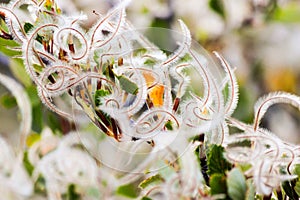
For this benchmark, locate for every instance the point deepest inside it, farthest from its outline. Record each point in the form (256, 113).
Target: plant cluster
(167, 115)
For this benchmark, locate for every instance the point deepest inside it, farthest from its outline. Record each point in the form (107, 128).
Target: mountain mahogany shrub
(139, 94)
(128, 87)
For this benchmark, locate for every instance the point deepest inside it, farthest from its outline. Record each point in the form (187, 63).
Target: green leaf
(18, 69)
(236, 184)
(37, 68)
(54, 121)
(297, 172)
(8, 101)
(48, 5)
(28, 166)
(289, 190)
(108, 71)
(250, 194)
(218, 7)
(27, 27)
(32, 138)
(217, 184)
(215, 160)
(244, 111)
(169, 126)
(297, 188)
(37, 108)
(245, 167)
(7, 50)
(242, 143)
(99, 94)
(146, 198)
(40, 185)
(129, 191)
(128, 85)
(71, 194)
(3, 25)
(33, 95)
(39, 38)
(8, 43)
(162, 39)
(151, 180)
(149, 62)
(186, 58)
(37, 118)
(288, 14)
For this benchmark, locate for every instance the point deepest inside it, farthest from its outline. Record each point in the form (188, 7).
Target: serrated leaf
(236, 183)
(128, 85)
(218, 7)
(216, 162)
(129, 191)
(217, 184)
(151, 180)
